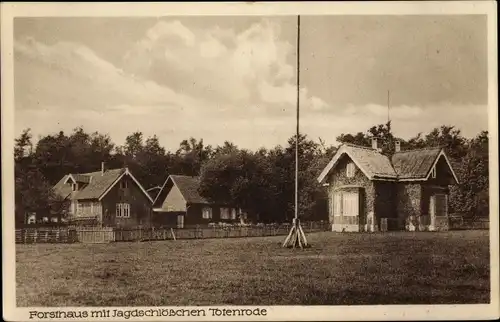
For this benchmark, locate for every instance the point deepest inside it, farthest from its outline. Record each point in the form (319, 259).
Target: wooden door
(180, 221)
(438, 207)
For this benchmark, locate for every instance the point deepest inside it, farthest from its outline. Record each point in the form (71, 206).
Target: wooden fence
(467, 223)
(109, 234)
(45, 235)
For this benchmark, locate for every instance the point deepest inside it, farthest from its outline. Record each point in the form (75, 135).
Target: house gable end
(174, 200)
(126, 173)
(165, 191)
(331, 166)
(340, 177)
(439, 160)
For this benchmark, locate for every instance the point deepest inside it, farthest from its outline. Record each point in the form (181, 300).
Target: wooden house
(179, 204)
(368, 190)
(112, 198)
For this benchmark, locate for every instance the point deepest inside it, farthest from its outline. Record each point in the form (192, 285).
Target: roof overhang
(340, 152)
(442, 154)
(163, 187)
(70, 176)
(126, 173)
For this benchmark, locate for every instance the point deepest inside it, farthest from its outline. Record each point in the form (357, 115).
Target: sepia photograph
(223, 164)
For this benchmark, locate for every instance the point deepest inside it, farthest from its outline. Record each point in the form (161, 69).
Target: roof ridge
(183, 175)
(99, 171)
(421, 149)
(359, 146)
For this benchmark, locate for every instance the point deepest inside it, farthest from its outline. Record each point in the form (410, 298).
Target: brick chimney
(374, 143)
(397, 146)
(103, 168)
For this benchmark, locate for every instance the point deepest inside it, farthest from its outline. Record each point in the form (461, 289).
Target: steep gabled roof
(405, 165)
(188, 187)
(417, 164)
(414, 164)
(372, 163)
(62, 189)
(98, 185)
(76, 177)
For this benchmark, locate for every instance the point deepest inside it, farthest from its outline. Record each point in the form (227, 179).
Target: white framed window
(123, 210)
(225, 213)
(73, 187)
(32, 219)
(206, 213)
(84, 208)
(433, 172)
(97, 208)
(53, 219)
(180, 221)
(350, 204)
(124, 184)
(233, 213)
(350, 170)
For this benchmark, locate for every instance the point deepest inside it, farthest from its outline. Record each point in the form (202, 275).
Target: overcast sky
(233, 78)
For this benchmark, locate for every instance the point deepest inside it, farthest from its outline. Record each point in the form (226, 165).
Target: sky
(234, 77)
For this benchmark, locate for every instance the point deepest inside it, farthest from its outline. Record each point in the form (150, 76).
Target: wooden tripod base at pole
(296, 237)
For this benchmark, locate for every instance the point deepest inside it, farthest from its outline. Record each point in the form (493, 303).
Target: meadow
(339, 269)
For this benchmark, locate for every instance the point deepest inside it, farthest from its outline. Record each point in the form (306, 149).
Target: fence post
(35, 235)
(25, 235)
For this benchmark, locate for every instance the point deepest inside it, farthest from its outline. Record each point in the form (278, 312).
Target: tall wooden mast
(296, 237)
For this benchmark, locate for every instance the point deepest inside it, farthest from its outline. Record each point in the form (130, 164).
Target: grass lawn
(339, 269)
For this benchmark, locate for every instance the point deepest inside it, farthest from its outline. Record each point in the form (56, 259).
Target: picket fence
(109, 234)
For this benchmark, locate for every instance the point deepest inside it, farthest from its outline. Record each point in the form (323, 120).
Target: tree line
(261, 181)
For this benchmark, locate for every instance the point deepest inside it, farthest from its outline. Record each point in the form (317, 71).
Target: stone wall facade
(409, 204)
(339, 181)
(385, 203)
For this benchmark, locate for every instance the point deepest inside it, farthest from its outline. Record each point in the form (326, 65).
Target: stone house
(370, 191)
(112, 198)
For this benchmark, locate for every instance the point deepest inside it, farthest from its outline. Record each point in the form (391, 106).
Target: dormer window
(433, 173)
(350, 170)
(123, 184)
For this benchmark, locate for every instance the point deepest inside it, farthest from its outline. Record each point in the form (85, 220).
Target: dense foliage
(262, 181)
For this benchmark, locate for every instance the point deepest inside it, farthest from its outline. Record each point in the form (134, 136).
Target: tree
(191, 155)
(237, 178)
(33, 193)
(471, 195)
(383, 132)
(23, 145)
(446, 136)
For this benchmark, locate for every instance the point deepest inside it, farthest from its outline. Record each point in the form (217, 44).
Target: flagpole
(297, 122)
(297, 237)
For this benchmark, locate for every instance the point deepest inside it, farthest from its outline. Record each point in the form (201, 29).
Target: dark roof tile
(98, 183)
(189, 188)
(414, 164)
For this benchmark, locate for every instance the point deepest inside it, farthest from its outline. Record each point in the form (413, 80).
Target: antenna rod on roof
(388, 105)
